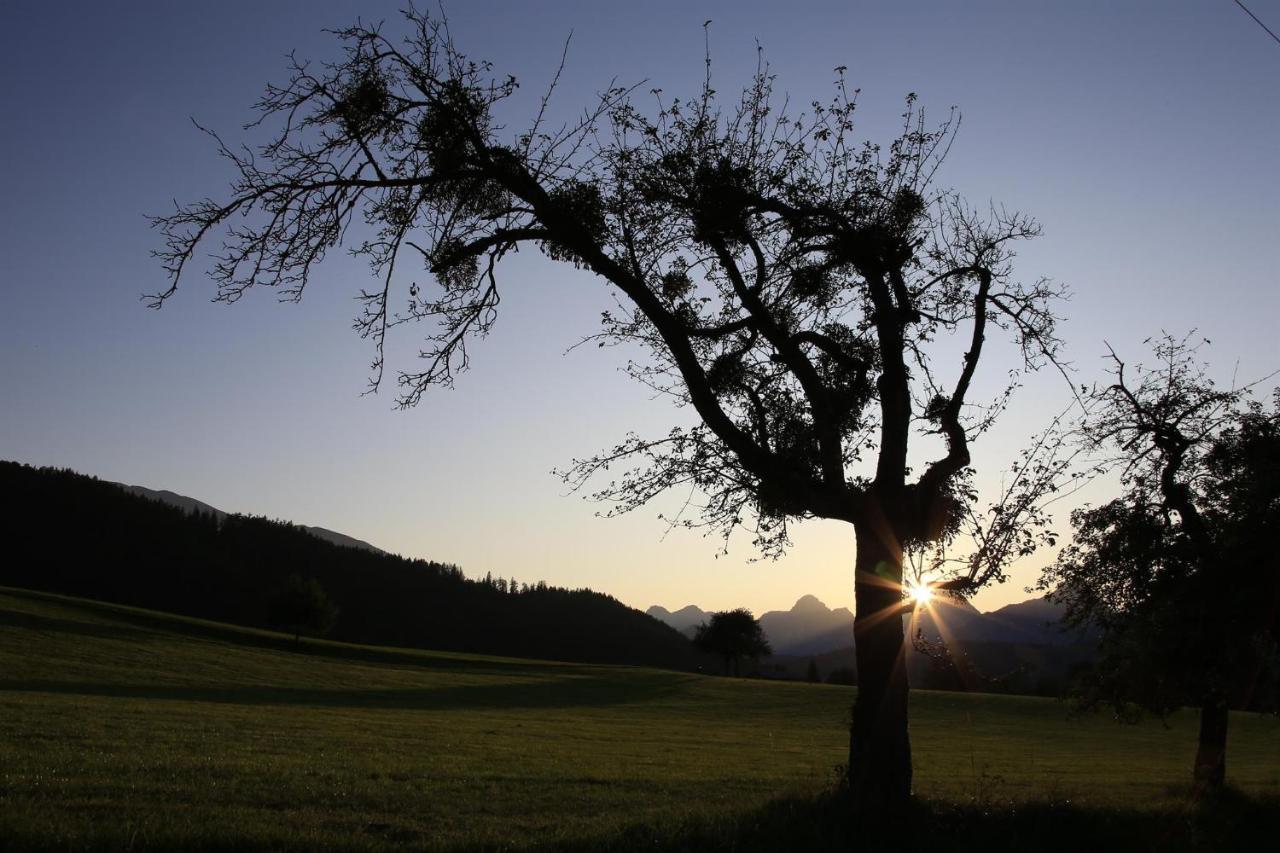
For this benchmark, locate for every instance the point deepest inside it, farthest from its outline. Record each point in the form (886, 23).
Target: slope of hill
(192, 505)
(77, 535)
(122, 729)
(1040, 620)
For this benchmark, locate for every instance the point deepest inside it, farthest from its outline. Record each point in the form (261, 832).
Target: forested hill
(68, 533)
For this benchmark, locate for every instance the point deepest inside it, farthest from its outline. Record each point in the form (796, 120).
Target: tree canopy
(818, 300)
(1180, 571)
(784, 279)
(733, 635)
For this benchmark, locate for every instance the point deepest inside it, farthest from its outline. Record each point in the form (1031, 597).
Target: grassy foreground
(124, 729)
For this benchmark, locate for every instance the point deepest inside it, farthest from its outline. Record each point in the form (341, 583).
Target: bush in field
(302, 606)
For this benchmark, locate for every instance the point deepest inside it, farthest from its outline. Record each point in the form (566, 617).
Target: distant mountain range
(683, 620)
(1020, 648)
(812, 628)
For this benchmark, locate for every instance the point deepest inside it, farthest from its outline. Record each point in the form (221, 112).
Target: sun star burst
(921, 594)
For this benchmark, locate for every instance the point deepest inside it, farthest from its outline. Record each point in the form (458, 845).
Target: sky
(1142, 136)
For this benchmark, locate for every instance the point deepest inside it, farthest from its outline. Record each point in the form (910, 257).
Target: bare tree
(783, 279)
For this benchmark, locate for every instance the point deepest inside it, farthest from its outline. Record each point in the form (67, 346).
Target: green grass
(125, 729)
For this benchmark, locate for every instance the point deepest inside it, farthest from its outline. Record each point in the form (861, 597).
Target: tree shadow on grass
(560, 692)
(1230, 821)
(124, 621)
(818, 824)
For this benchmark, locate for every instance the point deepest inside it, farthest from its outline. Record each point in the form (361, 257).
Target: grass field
(124, 729)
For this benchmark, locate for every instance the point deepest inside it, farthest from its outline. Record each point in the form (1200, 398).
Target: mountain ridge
(810, 627)
(191, 504)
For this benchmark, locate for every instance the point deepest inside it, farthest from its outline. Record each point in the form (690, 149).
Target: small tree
(302, 606)
(817, 301)
(812, 675)
(733, 635)
(1180, 572)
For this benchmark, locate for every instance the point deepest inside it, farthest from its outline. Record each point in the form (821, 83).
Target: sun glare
(919, 593)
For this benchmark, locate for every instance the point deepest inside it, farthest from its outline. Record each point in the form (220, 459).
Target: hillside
(77, 535)
(127, 729)
(191, 505)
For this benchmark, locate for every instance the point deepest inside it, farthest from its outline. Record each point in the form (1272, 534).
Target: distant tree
(733, 635)
(813, 675)
(302, 607)
(815, 300)
(1181, 571)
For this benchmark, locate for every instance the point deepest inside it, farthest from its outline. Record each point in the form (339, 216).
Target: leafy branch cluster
(790, 284)
(1178, 572)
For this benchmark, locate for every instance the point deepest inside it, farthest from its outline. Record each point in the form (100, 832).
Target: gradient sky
(1144, 136)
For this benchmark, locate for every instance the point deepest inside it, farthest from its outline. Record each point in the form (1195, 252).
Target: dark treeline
(68, 533)
(1025, 669)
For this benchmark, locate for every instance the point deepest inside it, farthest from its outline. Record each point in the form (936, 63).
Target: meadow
(128, 729)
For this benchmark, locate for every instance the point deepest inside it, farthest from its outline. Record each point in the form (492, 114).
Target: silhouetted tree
(733, 635)
(812, 674)
(302, 606)
(1180, 572)
(784, 281)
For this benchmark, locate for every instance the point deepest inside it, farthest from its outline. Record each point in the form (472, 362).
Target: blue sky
(1143, 136)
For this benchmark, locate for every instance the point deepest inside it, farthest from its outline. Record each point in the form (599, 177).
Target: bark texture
(879, 745)
(1211, 753)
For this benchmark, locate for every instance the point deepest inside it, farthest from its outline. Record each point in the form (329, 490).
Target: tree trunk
(879, 748)
(1211, 754)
